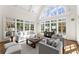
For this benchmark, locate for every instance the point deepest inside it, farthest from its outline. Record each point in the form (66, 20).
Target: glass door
(26, 25)
(32, 27)
(47, 26)
(19, 25)
(53, 26)
(42, 27)
(62, 27)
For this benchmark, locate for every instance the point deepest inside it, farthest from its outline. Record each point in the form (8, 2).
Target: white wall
(77, 24)
(71, 25)
(1, 28)
(15, 12)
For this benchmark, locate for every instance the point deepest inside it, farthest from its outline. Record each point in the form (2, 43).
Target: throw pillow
(49, 41)
(55, 43)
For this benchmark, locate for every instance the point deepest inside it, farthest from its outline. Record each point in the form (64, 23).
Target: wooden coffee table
(33, 41)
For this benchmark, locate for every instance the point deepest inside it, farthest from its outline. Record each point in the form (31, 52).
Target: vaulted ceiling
(33, 10)
(27, 11)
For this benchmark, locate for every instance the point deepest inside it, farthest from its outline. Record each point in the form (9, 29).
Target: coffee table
(33, 41)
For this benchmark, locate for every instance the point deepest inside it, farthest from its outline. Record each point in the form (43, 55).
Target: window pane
(42, 27)
(26, 26)
(19, 26)
(32, 26)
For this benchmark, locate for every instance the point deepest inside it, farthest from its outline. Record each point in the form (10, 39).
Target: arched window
(50, 11)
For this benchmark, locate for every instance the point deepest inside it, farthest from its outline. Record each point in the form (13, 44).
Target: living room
(29, 29)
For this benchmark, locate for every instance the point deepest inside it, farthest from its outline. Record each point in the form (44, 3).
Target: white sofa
(12, 48)
(23, 35)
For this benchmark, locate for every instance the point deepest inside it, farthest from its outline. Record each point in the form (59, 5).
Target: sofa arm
(46, 49)
(16, 49)
(7, 45)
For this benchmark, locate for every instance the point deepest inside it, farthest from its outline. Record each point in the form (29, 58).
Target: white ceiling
(27, 10)
(24, 7)
(33, 9)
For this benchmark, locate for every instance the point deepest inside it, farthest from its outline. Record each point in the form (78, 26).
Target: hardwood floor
(2, 42)
(2, 49)
(71, 47)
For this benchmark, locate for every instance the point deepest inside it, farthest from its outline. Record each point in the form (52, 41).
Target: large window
(58, 26)
(50, 11)
(16, 25)
(29, 25)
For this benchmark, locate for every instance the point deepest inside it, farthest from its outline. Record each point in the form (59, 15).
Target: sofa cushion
(16, 49)
(7, 45)
(56, 42)
(49, 41)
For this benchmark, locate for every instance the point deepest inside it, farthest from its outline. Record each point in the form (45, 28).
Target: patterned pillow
(56, 42)
(50, 41)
